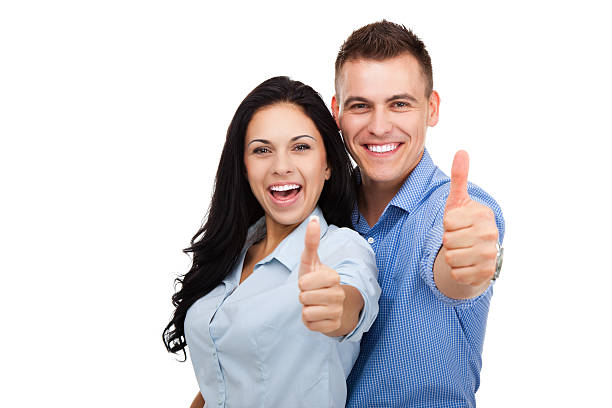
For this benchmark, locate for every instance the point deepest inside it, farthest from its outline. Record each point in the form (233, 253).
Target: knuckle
(336, 278)
(447, 222)
(490, 255)
(301, 284)
(449, 257)
(485, 272)
(490, 235)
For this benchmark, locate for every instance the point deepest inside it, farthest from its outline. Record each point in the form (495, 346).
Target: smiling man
(436, 238)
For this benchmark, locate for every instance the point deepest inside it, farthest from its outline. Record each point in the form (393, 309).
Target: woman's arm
(198, 401)
(329, 307)
(352, 305)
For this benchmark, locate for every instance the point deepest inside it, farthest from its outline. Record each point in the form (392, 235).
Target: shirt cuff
(433, 243)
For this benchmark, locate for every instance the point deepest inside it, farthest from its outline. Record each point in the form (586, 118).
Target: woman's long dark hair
(218, 244)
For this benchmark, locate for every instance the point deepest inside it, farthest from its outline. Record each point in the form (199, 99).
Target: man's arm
(465, 263)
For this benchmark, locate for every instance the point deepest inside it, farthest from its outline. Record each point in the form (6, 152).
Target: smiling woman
(268, 319)
(287, 169)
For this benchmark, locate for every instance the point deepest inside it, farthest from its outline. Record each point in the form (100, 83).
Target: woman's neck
(275, 233)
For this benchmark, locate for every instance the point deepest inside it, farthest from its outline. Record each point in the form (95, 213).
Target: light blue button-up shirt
(247, 342)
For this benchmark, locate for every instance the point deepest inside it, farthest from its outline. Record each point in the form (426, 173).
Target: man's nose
(379, 124)
(282, 164)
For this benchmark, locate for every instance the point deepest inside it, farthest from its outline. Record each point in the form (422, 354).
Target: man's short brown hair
(383, 40)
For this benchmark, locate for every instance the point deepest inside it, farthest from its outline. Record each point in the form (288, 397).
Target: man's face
(383, 112)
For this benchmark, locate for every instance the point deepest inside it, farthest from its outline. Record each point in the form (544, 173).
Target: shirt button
(371, 240)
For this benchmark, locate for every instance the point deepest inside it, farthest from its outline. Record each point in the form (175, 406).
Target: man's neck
(373, 197)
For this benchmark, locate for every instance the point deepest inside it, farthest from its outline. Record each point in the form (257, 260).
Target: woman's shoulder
(343, 237)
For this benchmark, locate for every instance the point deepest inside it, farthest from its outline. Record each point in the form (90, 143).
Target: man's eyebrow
(352, 99)
(407, 96)
(403, 96)
(293, 139)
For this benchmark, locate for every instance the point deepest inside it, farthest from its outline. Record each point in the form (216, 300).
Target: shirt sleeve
(354, 260)
(433, 243)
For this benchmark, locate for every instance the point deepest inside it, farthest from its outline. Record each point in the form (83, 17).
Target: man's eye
(400, 104)
(358, 106)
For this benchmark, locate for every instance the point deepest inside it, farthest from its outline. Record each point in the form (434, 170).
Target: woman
(263, 328)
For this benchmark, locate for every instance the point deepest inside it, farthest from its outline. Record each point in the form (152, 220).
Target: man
(435, 239)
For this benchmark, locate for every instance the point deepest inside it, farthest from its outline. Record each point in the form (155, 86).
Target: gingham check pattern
(424, 349)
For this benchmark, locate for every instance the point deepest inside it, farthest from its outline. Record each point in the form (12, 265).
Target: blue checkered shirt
(424, 349)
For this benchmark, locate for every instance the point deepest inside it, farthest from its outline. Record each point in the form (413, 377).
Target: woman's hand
(328, 306)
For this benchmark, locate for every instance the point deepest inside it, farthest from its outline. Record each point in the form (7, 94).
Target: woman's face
(285, 162)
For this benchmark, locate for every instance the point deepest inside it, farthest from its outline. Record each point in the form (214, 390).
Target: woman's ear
(327, 172)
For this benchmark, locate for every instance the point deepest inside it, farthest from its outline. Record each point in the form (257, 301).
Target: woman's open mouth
(284, 195)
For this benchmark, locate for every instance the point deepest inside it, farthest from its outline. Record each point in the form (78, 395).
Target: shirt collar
(409, 194)
(289, 251)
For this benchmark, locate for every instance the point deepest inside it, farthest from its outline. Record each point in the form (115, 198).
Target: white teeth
(382, 148)
(284, 187)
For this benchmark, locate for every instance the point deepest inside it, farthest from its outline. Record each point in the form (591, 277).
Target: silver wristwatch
(498, 261)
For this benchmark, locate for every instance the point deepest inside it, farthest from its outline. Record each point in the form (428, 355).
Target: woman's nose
(283, 164)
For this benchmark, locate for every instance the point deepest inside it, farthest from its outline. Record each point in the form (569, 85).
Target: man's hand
(466, 262)
(320, 290)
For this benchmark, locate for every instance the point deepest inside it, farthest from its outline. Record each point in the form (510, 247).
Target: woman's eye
(261, 150)
(302, 147)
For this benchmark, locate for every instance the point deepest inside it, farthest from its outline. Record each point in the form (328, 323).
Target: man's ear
(433, 109)
(336, 110)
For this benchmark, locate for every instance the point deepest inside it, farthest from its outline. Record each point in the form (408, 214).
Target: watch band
(498, 262)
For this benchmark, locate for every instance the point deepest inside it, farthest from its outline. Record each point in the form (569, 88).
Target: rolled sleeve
(433, 243)
(356, 265)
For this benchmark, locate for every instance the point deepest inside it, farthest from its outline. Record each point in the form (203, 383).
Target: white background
(112, 118)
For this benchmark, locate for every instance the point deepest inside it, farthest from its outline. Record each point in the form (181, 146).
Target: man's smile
(379, 149)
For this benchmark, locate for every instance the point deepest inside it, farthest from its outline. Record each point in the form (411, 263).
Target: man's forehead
(397, 75)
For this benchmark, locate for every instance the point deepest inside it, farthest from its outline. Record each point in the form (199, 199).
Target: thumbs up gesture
(470, 234)
(321, 294)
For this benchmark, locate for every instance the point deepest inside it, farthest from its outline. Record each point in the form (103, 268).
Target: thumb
(458, 195)
(310, 258)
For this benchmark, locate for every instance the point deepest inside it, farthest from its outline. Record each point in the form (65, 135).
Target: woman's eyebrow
(264, 141)
(293, 139)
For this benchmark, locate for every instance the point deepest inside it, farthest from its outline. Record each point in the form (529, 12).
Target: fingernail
(313, 217)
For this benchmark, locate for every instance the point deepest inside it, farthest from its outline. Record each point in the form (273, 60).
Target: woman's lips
(285, 195)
